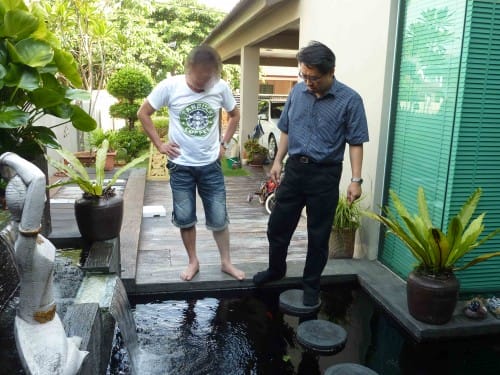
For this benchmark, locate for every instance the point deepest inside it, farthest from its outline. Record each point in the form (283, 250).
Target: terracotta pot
(257, 160)
(110, 161)
(99, 218)
(341, 243)
(432, 299)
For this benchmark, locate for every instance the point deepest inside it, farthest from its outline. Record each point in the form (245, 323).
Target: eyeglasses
(312, 79)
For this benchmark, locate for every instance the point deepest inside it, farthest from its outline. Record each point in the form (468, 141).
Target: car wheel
(272, 147)
(270, 202)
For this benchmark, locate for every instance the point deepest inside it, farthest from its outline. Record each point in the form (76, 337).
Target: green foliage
(130, 143)
(252, 147)
(435, 251)
(126, 111)
(129, 84)
(77, 174)
(230, 172)
(347, 215)
(36, 78)
(182, 25)
(135, 141)
(161, 125)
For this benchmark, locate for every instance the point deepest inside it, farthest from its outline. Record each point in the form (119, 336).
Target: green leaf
(63, 110)
(68, 67)
(3, 72)
(77, 94)
(126, 167)
(43, 98)
(469, 207)
(43, 136)
(19, 24)
(12, 117)
(22, 77)
(34, 53)
(82, 120)
(422, 207)
(100, 161)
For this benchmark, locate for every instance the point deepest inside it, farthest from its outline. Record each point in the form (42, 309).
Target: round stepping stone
(321, 336)
(291, 303)
(349, 369)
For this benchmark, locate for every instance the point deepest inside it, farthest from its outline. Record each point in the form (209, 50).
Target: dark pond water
(249, 335)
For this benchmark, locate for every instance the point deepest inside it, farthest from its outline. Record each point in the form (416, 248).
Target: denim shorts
(209, 181)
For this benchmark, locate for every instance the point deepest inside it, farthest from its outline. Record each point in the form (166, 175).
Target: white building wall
(362, 35)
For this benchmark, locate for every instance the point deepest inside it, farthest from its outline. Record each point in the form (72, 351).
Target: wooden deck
(152, 253)
(161, 254)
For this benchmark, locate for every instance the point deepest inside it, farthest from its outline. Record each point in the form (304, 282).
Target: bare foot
(190, 272)
(233, 271)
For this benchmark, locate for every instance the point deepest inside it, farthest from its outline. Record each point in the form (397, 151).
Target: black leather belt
(303, 159)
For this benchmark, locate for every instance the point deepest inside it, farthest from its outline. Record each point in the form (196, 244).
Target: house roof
(271, 25)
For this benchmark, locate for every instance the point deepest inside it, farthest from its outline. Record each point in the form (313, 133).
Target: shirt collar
(331, 91)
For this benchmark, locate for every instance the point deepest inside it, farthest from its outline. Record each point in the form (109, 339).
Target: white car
(268, 115)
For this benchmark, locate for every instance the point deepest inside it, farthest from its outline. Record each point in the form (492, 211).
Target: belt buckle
(304, 159)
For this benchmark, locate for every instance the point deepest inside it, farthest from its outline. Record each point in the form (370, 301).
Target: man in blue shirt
(320, 117)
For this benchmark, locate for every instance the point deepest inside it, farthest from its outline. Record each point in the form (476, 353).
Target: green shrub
(126, 111)
(128, 85)
(161, 125)
(134, 141)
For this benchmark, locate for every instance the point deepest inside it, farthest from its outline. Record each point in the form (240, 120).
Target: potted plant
(432, 288)
(99, 212)
(255, 152)
(346, 221)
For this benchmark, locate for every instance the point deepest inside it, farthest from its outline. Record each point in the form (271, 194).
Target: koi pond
(248, 334)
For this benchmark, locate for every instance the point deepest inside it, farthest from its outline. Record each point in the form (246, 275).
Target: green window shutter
(446, 123)
(422, 125)
(476, 148)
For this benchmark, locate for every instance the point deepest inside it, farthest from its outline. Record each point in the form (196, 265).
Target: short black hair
(204, 55)
(317, 55)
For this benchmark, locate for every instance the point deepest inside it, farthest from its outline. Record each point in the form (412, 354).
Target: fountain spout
(40, 337)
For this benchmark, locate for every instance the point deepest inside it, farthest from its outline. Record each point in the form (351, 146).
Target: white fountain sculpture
(41, 341)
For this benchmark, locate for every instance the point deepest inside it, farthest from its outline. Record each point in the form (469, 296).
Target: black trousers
(316, 187)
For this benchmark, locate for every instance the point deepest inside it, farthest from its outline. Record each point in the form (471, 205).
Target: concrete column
(249, 90)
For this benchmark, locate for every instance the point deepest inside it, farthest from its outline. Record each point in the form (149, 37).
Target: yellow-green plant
(436, 251)
(78, 174)
(347, 215)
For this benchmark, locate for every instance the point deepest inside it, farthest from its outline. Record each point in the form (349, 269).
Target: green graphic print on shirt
(197, 119)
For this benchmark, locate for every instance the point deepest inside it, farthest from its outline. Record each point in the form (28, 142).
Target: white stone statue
(41, 341)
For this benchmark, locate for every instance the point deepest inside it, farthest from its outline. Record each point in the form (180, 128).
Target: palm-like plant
(436, 251)
(78, 174)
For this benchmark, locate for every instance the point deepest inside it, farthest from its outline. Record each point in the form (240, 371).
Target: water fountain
(41, 340)
(90, 304)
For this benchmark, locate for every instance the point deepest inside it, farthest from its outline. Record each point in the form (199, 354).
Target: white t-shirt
(193, 117)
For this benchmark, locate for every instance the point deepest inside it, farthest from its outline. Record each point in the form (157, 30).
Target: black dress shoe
(266, 276)
(311, 299)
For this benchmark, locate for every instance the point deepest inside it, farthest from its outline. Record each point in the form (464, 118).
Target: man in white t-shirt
(195, 148)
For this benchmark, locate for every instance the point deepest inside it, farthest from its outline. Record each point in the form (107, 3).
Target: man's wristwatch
(359, 180)
(225, 145)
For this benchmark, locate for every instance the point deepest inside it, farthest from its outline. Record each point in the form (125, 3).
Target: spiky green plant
(77, 173)
(435, 251)
(347, 215)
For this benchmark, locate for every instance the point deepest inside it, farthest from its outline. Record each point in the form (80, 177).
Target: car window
(263, 107)
(276, 109)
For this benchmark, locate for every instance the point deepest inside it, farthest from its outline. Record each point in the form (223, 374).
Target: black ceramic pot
(432, 299)
(99, 218)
